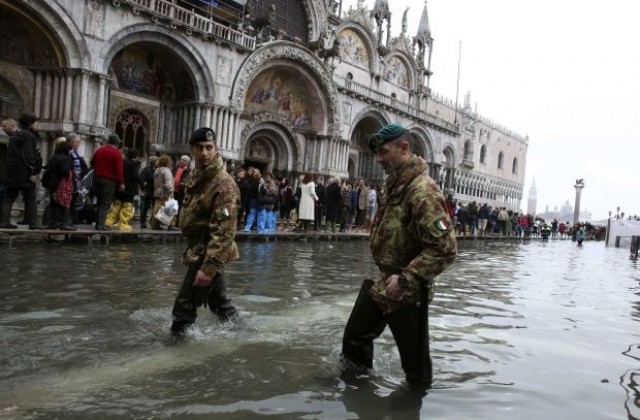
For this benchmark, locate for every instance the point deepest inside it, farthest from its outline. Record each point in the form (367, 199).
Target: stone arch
(423, 142)
(366, 123)
(371, 112)
(317, 18)
(280, 135)
(449, 155)
(366, 37)
(198, 68)
(14, 98)
(292, 55)
(394, 64)
(483, 153)
(70, 48)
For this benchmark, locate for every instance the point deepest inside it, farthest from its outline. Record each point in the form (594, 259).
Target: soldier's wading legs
(365, 324)
(185, 307)
(413, 344)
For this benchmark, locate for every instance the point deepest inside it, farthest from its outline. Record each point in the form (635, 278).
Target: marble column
(68, 95)
(37, 102)
(100, 120)
(84, 90)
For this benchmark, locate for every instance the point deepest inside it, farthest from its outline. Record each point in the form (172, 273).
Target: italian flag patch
(441, 225)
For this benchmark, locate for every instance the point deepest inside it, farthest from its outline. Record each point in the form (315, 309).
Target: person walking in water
(412, 241)
(208, 220)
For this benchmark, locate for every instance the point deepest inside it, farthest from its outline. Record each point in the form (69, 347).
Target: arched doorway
(11, 103)
(366, 165)
(151, 98)
(132, 127)
(269, 149)
(259, 154)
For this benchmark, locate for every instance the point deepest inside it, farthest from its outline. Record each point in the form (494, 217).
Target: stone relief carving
(223, 71)
(94, 19)
(284, 50)
(346, 113)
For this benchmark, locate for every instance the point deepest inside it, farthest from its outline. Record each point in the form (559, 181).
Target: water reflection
(527, 328)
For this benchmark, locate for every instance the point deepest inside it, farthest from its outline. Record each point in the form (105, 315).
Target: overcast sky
(564, 72)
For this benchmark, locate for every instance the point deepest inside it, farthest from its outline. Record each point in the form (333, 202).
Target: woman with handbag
(60, 186)
(162, 190)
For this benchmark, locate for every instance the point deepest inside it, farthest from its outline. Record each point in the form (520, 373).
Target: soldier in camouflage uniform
(208, 220)
(412, 241)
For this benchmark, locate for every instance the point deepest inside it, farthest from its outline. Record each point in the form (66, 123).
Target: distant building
(565, 214)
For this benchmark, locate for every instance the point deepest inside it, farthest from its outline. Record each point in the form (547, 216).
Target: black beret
(202, 134)
(385, 135)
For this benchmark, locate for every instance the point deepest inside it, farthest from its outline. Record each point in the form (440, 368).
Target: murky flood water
(522, 331)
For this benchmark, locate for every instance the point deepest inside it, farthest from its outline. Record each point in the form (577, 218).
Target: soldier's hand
(201, 280)
(394, 291)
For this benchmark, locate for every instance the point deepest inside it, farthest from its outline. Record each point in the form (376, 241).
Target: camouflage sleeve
(434, 231)
(222, 228)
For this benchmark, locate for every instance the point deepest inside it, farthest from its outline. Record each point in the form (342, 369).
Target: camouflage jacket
(208, 217)
(412, 234)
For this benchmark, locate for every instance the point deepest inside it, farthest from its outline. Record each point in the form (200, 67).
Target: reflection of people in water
(362, 397)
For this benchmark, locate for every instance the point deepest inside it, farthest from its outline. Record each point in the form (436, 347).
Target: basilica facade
(290, 86)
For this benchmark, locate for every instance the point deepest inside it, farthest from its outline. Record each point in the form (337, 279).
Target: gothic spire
(423, 27)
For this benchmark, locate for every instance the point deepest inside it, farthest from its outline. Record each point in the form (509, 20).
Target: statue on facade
(404, 23)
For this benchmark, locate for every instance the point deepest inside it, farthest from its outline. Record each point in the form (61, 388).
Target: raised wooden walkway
(91, 236)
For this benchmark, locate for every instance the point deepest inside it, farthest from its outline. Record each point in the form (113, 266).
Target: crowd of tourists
(270, 204)
(484, 220)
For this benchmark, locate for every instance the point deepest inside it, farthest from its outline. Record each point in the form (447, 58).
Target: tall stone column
(84, 91)
(576, 209)
(101, 99)
(37, 103)
(68, 95)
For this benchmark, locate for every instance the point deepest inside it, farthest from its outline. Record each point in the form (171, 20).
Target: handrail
(392, 102)
(195, 21)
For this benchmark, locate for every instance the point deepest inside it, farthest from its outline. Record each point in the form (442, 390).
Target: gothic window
(500, 160)
(467, 150)
(483, 153)
(130, 127)
(514, 167)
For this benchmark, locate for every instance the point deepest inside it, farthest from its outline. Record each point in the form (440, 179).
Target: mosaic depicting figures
(352, 48)
(396, 72)
(149, 72)
(283, 92)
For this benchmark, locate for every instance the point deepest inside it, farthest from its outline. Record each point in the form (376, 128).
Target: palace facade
(289, 85)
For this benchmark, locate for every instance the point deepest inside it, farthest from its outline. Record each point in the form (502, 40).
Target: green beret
(385, 135)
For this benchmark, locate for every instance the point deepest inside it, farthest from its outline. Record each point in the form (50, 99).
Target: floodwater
(518, 330)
